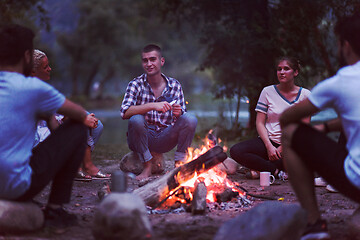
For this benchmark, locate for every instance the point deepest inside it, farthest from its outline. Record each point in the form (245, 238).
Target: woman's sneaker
(282, 176)
(331, 189)
(319, 182)
(316, 231)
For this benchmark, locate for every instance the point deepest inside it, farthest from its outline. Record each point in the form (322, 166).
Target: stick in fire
(154, 192)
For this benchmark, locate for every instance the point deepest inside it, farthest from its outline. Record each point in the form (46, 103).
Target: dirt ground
(180, 226)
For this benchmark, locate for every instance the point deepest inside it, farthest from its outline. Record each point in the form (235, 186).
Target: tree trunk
(74, 79)
(75, 72)
(237, 110)
(323, 51)
(88, 83)
(108, 76)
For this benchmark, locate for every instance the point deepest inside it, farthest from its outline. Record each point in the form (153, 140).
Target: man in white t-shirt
(308, 150)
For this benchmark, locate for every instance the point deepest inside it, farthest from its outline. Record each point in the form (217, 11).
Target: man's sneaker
(283, 176)
(320, 182)
(57, 219)
(331, 189)
(318, 231)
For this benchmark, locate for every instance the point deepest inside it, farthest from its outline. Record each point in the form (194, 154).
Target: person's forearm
(138, 109)
(73, 111)
(263, 134)
(296, 113)
(332, 125)
(52, 123)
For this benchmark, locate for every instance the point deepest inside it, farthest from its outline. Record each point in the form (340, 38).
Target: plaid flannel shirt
(139, 92)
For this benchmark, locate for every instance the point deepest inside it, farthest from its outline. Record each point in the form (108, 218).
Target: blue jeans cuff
(146, 156)
(180, 156)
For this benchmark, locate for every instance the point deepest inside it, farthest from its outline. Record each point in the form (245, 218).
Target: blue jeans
(94, 135)
(143, 138)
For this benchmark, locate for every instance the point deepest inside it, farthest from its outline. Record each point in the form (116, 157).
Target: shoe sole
(316, 236)
(83, 179)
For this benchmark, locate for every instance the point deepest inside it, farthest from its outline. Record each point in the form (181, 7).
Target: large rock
(20, 217)
(132, 163)
(229, 166)
(354, 225)
(267, 221)
(122, 216)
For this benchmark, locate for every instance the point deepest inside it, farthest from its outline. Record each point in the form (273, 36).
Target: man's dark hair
(14, 41)
(348, 29)
(152, 47)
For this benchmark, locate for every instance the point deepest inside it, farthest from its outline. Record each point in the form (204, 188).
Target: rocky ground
(180, 226)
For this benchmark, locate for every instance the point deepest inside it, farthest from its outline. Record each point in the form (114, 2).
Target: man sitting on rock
(155, 107)
(23, 101)
(308, 150)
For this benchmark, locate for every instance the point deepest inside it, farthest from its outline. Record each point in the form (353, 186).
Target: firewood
(226, 195)
(155, 192)
(198, 204)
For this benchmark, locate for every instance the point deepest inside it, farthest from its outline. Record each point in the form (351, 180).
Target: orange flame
(215, 179)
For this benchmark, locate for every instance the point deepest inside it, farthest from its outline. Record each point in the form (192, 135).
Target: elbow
(123, 114)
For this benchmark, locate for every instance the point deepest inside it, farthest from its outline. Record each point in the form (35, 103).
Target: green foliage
(24, 12)
(244, 38)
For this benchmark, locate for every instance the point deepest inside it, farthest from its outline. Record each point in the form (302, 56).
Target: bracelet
(326, 127)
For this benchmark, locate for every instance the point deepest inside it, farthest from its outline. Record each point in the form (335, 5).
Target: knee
(189, 120)
(137, 121)
(100, 127)
(77, 127)
(236, 151)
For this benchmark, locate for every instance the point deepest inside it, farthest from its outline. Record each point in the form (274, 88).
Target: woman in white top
(264, 153)
(89, 171)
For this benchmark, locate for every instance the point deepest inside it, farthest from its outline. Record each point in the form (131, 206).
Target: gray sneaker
(283, 176)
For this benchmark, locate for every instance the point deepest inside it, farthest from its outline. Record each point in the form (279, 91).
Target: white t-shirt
(273, 104)
(341, 93)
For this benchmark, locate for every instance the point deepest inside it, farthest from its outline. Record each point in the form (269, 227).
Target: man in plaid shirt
(155, 107)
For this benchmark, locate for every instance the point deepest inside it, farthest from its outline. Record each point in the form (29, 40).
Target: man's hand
(162, 106)
(91, 121)
(176, 110)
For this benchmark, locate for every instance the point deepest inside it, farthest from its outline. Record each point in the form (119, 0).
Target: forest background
(217, 49)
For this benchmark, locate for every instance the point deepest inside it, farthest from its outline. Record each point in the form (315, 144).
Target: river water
(115, 127)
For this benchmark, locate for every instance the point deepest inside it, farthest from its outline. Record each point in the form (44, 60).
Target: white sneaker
(283, 176)
(320, 182)
(331, 189)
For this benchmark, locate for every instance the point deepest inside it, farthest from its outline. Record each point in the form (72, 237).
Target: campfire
(195, 183)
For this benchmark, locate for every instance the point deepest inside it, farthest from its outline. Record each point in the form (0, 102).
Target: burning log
(226, 195)
(154, 193)
(198, 204)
